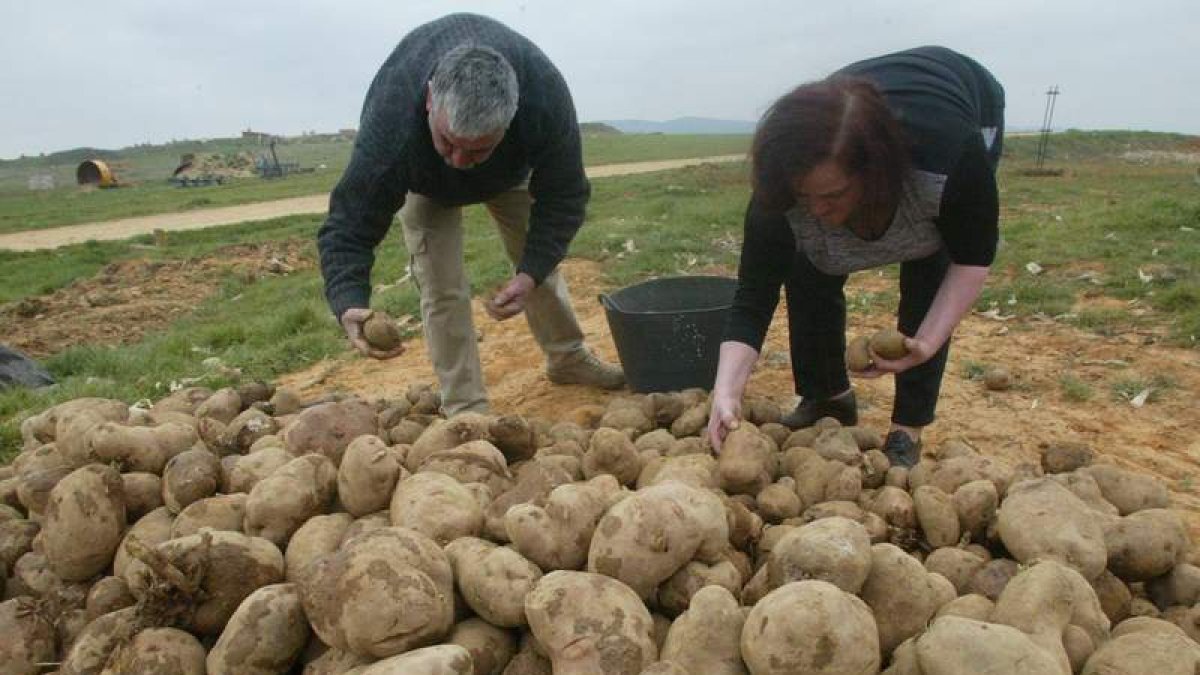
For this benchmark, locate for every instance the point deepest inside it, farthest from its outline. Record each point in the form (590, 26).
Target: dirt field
(197, 220)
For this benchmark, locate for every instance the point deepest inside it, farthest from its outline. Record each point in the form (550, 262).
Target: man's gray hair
(477, 88)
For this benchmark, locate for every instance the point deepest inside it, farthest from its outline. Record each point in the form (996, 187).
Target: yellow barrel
(95, 172)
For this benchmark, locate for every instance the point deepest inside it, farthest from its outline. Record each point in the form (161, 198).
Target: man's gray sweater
(394, 155)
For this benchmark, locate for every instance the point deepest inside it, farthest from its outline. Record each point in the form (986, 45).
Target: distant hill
(683, 125)
(597, 129)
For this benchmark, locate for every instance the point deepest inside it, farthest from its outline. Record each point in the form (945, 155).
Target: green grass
(1126, 388)
(146, 169)
(1074, 389)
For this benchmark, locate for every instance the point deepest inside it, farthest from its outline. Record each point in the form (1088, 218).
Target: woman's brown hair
(843, 119)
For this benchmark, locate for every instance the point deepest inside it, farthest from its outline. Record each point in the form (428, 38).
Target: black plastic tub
(668, 331)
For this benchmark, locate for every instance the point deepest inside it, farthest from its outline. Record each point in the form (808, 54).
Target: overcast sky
(118, 72)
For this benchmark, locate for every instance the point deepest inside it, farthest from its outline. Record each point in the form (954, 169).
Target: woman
(888, 160)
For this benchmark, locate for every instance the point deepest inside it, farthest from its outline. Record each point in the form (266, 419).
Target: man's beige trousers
(434, 236)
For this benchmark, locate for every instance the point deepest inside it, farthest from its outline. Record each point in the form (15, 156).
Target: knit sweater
(394, 155)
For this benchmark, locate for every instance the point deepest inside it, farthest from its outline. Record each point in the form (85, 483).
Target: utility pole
(1047, 118)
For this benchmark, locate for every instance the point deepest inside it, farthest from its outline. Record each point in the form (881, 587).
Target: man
(465, 111)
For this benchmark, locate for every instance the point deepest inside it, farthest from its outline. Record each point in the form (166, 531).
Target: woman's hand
(724, 417)
(919, 351)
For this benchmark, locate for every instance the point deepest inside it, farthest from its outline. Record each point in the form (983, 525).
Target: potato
(447, 434)
(528, 659)
(280, 503)
(897, 590)
(970, 606)
(895, 506)
(836, 550)
(998, 378)
(381, 331)
(1180, 586)
(334, 661)
(675, 594)
(649, 536)
(85, 519)
(74, 421)
(691, 421)
(26, 637)
(610, 451)
(748, 461)
(318, 536)
(491, 648)
(976, 503)
(190, 476)
(223, 405)
(1066, 457)
(1040, 519)
(222, 512)
(1043, 599)
(492, 579)
(1145, 651)
(760, 410)
(437, 506)
(328, 428)
(265, 635)
(1145, 544)
(158, 650)
(955, 645)
(436, 660)
(534, 481)
(248, 428)
(96, 643)
(1114, 595)
(705, 640)
(629, 420)
(383, 593)
(472, 462)
(1085, 487)
(1129, 491)
(558, 535)
(146, 449)
(955, 564)
(249, 469)
(889, 343)
(590, 623)
(235, 566)
(696, 470)
(108, 595)
(143, 494)
(858, 354)
(514, 436)
(778, 501)
(937, 516)
(810, 626)
(367, 475)
(992, 578)
(184, 400)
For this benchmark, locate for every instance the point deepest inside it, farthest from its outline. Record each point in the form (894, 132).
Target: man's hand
(352, 323)
(723, 418)
(510, 300)
(919, 351)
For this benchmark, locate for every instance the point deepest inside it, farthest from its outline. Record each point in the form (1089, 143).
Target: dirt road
(196, 220)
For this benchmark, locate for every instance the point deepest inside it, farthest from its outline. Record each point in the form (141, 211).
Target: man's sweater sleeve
(767, 251)
(560, 192)
(361, 209)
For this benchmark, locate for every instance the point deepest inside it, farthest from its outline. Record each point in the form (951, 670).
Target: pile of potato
(247, 531)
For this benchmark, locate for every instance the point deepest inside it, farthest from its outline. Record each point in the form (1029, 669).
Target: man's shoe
(901, 449)
(583, 367)
(844, 409)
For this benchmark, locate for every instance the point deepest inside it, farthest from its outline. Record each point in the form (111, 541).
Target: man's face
(458, 151)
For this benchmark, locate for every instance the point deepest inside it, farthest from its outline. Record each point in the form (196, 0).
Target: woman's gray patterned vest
(912, 234)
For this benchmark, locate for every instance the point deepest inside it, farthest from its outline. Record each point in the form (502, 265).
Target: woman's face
(829, 194)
